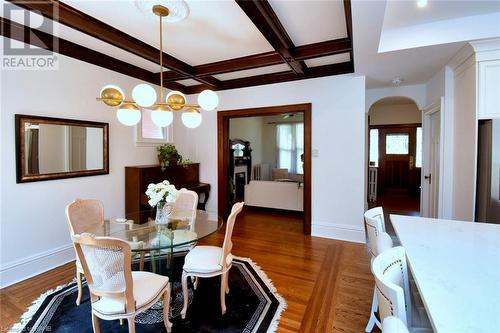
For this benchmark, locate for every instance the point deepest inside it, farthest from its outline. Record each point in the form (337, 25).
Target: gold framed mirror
(55, 148)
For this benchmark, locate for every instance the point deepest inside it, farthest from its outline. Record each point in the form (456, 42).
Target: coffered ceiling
(220, 45)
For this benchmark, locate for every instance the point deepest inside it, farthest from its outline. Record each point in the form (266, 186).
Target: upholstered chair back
(228, 244)
(391, 279)
(106, 264)
(185, 206)
(83, 214)
(374, 225)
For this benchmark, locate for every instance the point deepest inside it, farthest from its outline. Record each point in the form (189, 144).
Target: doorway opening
(264, 158)
(395, 155)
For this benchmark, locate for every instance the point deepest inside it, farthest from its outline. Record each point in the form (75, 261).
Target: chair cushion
(147, 287)
(203, 259)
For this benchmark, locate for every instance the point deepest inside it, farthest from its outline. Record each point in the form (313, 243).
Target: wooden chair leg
(141, 262)
(80, 288)
(223, 293)
(95, 324)
(131, 324)
(227, 282)
(166, 304)
(184, 294)
(122, 322)
(195, 282)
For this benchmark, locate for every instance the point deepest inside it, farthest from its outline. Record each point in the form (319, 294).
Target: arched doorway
(395, 155)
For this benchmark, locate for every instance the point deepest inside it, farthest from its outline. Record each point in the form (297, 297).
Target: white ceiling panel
(253, 72)
(213, 31)
(85, 40)
(311, 21)
(328, 60)
(188, 82)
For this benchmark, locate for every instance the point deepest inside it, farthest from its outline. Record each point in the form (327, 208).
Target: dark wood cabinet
(137, 179)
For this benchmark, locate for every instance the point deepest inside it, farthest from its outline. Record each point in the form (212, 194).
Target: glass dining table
(153, 245)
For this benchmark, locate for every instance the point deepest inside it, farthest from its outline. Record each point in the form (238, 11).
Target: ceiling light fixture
(397, 81)
(144, 96)
(421, 3)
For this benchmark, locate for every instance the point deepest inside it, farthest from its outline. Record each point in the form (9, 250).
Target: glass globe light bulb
(191, 119)
(162, 117)
(144, 95)
(208, 100)
(128, 114)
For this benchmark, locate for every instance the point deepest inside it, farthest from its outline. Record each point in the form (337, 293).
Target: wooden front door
(397, 171)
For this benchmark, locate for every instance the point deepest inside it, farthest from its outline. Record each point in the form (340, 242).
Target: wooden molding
(46, 41)
(265, 19)
(312, 72)
(223, 118)
(321, 49)
(259, 11)
(91, 26)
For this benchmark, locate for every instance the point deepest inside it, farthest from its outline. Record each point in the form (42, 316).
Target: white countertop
(456, 266)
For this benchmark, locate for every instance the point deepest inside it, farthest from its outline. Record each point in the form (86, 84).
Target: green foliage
(168, 155)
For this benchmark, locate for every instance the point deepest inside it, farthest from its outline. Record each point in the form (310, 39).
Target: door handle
(428, 177)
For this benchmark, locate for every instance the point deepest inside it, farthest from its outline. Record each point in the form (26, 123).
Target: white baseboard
(19, 270)
(338, 231)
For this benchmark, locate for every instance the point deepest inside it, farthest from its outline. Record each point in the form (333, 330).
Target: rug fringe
(35, 305)
(273, 326)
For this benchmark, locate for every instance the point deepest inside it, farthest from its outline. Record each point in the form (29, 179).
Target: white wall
(416, 92)
(394, 114)
(465, 140)
(34, 232)
(338, 126)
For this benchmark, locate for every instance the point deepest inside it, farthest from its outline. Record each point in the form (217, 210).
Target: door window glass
(396, 144)
(374, 147)
(418, 157)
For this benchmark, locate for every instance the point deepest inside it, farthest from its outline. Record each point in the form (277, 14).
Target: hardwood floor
(326, 283)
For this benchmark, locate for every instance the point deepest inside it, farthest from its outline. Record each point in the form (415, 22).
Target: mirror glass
(58, 150)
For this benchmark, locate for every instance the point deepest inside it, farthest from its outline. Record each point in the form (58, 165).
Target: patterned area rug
(253, 305)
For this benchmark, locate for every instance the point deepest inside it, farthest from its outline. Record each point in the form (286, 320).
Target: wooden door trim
(223, 118)
(395, 126)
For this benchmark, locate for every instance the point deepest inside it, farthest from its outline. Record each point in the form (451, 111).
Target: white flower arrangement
(161, 193)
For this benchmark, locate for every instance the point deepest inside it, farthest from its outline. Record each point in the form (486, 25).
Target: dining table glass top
(177, 232)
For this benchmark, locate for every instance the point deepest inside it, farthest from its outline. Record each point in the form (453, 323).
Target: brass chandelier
(144, 97)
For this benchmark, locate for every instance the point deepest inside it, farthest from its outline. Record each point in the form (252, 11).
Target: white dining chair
(185, 207)
(115, 291)
(393, 324)
(378, 241)
(209, 261)
(81, 215)
(393, 289)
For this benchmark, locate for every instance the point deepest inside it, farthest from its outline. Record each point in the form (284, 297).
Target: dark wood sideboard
(137, 179)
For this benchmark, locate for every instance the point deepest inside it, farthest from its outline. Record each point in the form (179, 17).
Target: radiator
(261, 172)
(256, 172)
(372, 184)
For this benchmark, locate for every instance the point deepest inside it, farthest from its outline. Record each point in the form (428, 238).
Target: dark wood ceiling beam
(27, 35)
(304, 52)
(348, 22)
(323, 49)
(91, 26)
(312, 72)
(265, 19)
